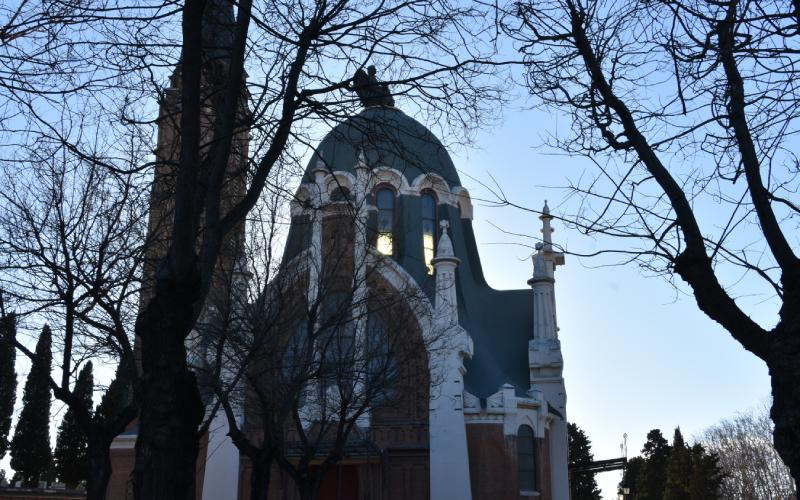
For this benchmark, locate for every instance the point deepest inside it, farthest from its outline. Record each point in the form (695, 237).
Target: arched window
(526, 458)
(384, 200)
(382, 374)
(428, 228)
(336, 338)
(340, 193)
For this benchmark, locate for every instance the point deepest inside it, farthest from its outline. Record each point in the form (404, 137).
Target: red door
(340, 483)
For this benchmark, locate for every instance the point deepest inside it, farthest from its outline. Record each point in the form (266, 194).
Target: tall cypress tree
(30, 448)
(70, 457)
(114, 400)
(679, 469)
(8, 377)
(582, 485)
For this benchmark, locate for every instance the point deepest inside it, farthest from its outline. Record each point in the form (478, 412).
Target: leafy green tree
(30, 447)
(8, 377)
(582, 485)
(71, 459)
(679, 469)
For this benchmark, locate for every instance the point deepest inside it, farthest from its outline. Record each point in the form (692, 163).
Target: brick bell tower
(218, 32)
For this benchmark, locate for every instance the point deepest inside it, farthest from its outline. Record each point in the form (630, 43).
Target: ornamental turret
(544, 354)
(449, 464)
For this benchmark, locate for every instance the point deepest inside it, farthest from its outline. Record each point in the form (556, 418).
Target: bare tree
(321, 349)
(98, 63)
(687, 109)
(752, 466)
(71, 240)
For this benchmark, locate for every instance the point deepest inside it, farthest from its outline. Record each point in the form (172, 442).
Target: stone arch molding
(463, 201)
(302, 198)
(435, 183)
(390, 176)
(457, 196)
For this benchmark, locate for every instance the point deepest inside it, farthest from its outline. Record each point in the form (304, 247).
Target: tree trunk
(306, 491)
(307, 486)
(171, 407)
(784, 370)
(99, 469)
(260, 478)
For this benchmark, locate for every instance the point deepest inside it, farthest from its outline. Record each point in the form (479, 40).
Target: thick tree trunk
(99, 469)
(307, 486)
(306, 491)
(171, 407)
(784, 370)
(260, 478)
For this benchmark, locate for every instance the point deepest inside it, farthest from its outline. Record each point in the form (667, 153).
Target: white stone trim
(340, 178)
(436, 183)
(390, 176)
(463, 201)
(303, 196)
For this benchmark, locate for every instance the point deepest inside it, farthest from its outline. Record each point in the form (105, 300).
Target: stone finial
(547, 230)
(445, 248)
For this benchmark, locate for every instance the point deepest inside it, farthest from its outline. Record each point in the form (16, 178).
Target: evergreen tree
(633, 469)
(114, 399)
(30, 447)
(653, 476)
(679, 469)
(8, 377)
(70, 456)
(582, 485)
(706, 476)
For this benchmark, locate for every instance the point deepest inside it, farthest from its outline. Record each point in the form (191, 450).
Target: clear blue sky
(637, 355)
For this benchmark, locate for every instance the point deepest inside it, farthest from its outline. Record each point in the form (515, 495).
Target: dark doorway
(340, 483)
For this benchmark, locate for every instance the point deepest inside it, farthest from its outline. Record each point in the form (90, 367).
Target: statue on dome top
(370, 91)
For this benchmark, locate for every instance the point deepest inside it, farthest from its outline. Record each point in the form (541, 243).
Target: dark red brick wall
(492, 463)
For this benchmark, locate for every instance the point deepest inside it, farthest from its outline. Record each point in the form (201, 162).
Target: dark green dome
(388, 137)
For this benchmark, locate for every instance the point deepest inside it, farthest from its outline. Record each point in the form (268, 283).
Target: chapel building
(472, 402)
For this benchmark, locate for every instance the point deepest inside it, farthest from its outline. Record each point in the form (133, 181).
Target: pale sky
(637, 355)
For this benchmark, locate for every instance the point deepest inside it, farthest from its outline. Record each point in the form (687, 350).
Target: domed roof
(388, 138)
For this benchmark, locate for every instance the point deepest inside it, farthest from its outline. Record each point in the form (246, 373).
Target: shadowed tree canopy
(70, 456)
(31, 457)
(582, 485)
(8, 375)
(678, 471)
